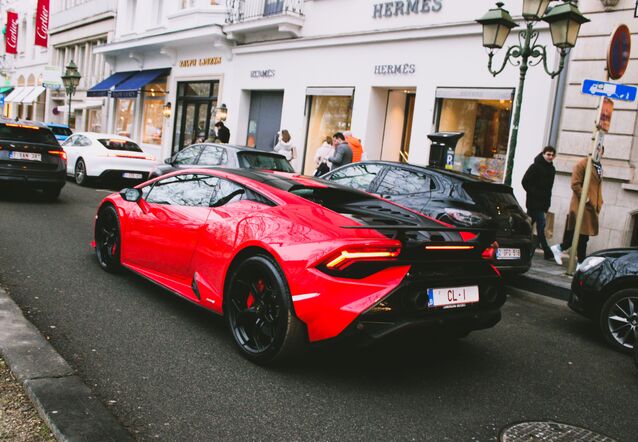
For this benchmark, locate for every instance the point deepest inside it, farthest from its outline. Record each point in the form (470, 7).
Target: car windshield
(117, 144)
(262, 161)
(26, 134)
(65, 131)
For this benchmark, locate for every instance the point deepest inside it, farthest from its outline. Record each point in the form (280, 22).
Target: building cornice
(87, 21)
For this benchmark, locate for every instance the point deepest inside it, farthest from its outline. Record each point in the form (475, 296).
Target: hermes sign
(405, 7)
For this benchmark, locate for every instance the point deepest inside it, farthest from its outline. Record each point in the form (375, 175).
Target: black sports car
(455, 198)
(223, 155)
(605, 289)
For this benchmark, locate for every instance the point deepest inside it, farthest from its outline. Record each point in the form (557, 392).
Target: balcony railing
(240, 11)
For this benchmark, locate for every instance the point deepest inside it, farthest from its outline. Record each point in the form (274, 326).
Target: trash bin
(442, 148)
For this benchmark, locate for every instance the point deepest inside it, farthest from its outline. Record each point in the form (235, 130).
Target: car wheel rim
(622, 321)
(107, 237)
(255, 311)
(80, 171)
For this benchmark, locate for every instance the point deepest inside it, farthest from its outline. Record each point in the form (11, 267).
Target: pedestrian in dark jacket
(343, 152)
(538, 182)
(223, 133)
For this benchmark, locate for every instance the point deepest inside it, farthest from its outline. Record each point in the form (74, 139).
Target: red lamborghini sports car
(291, 261)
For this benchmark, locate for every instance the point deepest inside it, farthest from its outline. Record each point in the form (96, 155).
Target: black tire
(619, 320)
(636, 353)
(258, 310)
(108, 239)
(80, 173)
(51, 193)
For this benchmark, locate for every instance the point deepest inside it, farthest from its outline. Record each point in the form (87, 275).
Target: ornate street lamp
(564, 23)
(221, 113)
(71, 80)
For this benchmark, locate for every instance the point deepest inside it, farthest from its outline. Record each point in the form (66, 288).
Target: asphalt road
(168, 369)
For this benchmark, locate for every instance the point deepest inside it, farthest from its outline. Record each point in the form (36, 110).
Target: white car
(95, 155)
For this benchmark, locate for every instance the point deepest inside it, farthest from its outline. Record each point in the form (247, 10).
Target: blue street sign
(1, 100)
(611, 90)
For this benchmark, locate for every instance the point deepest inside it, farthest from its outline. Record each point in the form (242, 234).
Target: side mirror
(131, 195)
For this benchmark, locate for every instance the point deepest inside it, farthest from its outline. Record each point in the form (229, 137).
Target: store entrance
(194, 118)
(264, 119)
(398, 125)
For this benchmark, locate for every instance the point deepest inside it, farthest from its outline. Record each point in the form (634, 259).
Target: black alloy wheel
(619, 320)
(107, 239)
(80, 173)
(258, 309)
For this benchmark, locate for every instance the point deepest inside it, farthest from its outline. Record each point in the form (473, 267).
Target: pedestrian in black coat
(223, 133)
(538, 182)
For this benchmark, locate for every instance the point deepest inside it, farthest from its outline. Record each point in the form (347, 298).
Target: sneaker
(556, 250)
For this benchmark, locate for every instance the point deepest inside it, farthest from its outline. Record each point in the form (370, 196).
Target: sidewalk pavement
(544, 278)
(61, 398)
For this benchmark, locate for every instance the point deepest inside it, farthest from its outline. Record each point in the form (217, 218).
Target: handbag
(322, 169)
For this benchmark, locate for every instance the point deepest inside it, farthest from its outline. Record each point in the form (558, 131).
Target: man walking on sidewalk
(538, 182)
(593, 205)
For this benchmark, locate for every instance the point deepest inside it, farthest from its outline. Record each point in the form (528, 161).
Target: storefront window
(124, 115)
(486, 124)
(195, 112)
(328, 114)
(153, 119)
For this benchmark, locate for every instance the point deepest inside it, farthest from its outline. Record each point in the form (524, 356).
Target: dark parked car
(605, 289)
(30, 156)
(455, 198)
(223, 155)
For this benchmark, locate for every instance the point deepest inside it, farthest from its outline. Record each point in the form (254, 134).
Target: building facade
(76, 29)
(24, 71)
(619, 215)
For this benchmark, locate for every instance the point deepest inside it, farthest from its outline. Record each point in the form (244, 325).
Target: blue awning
(132, 86)
(103, 88)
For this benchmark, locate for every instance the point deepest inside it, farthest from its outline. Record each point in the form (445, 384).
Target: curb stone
(63, 401)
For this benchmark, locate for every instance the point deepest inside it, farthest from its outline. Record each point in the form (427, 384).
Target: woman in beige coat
(593, 206)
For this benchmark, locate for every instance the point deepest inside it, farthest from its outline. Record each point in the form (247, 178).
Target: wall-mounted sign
(194, 62)
(405, 7)
(264, 73)
(394, 69)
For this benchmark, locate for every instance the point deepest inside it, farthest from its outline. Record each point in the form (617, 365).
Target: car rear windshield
(65, 131)
(26, 134)
(493, 199)
(261, 161)
(115, 144)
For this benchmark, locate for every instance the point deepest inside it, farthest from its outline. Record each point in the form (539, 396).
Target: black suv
(223, 155)
(452, 197)
(30, 156)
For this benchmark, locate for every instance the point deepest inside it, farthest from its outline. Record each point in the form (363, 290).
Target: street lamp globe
(564, 24)
(221, 113)
(497, 24)
(71, 77)
(534, 9)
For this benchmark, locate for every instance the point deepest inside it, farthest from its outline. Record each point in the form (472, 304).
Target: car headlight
(465, 217)
(590, 263)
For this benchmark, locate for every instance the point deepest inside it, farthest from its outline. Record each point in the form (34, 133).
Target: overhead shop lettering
(406, 7)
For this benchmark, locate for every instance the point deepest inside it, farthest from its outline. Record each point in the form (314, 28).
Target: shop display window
(328, 114)
(124, 116)
(153, 121)
(486, 123)
(94, 120)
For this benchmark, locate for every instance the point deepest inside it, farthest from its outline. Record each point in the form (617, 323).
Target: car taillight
(342, 259)
(465, 217)
(59, 153)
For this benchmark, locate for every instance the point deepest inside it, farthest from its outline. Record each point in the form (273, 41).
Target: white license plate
(136, 176)
(25, 156)
(508, 253)
(453, 296)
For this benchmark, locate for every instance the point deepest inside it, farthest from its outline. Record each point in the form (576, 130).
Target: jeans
(538, 218)
(581, 251)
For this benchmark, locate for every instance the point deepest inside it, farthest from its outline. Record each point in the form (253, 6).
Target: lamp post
(71, 80)
(221, 112)
(564, 22)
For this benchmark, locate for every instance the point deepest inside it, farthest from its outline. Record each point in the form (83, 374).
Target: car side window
(359, 176)
(213, 156)
(184, 190)
(83, 141)
(69, 141)
(226, 192)
(399, 181)
(188, 155)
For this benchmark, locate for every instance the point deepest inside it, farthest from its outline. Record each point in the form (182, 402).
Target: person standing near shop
(593, 206)
(285, 147)
(325, 151)
(355, 146)
(538, 182)
(223, 133)
(343, 152)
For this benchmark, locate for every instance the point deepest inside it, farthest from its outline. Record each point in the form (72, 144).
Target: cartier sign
(405, 7)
